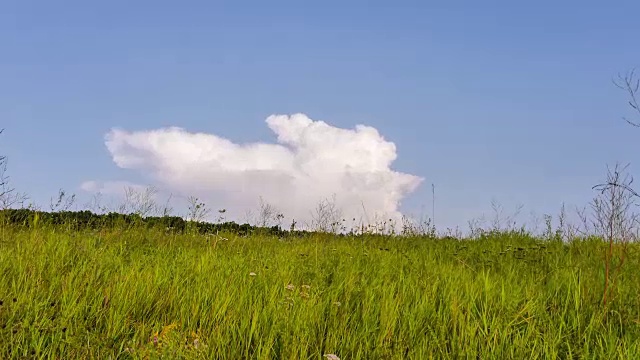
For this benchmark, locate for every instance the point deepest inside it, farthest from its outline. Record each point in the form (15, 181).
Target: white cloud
(311, 162)
(110, 187)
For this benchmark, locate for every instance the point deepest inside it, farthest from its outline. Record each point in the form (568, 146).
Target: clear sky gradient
(511, 101)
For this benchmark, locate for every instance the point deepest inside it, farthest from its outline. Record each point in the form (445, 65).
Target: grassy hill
(147, 292)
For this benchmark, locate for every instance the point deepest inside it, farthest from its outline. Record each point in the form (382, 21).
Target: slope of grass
(146, 294)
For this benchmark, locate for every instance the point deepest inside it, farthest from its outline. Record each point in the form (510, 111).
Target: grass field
(147, 294)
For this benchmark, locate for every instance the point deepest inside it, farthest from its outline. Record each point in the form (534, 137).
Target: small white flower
(331, 357)
(290, 287)
(252, 274)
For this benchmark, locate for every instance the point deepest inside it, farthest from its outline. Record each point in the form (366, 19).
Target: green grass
(111, 294)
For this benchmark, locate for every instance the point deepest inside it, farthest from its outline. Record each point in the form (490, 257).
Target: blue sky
(492, 100)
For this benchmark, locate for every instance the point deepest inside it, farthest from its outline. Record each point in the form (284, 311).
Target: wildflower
(331, 357)
(306, 287)
(252, 274)
(166, 329)
(290, 287)
(337, 303)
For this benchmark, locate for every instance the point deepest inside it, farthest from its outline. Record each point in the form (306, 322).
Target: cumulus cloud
(310, 162)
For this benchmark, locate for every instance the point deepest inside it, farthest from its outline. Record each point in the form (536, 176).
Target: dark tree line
(87, 220)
